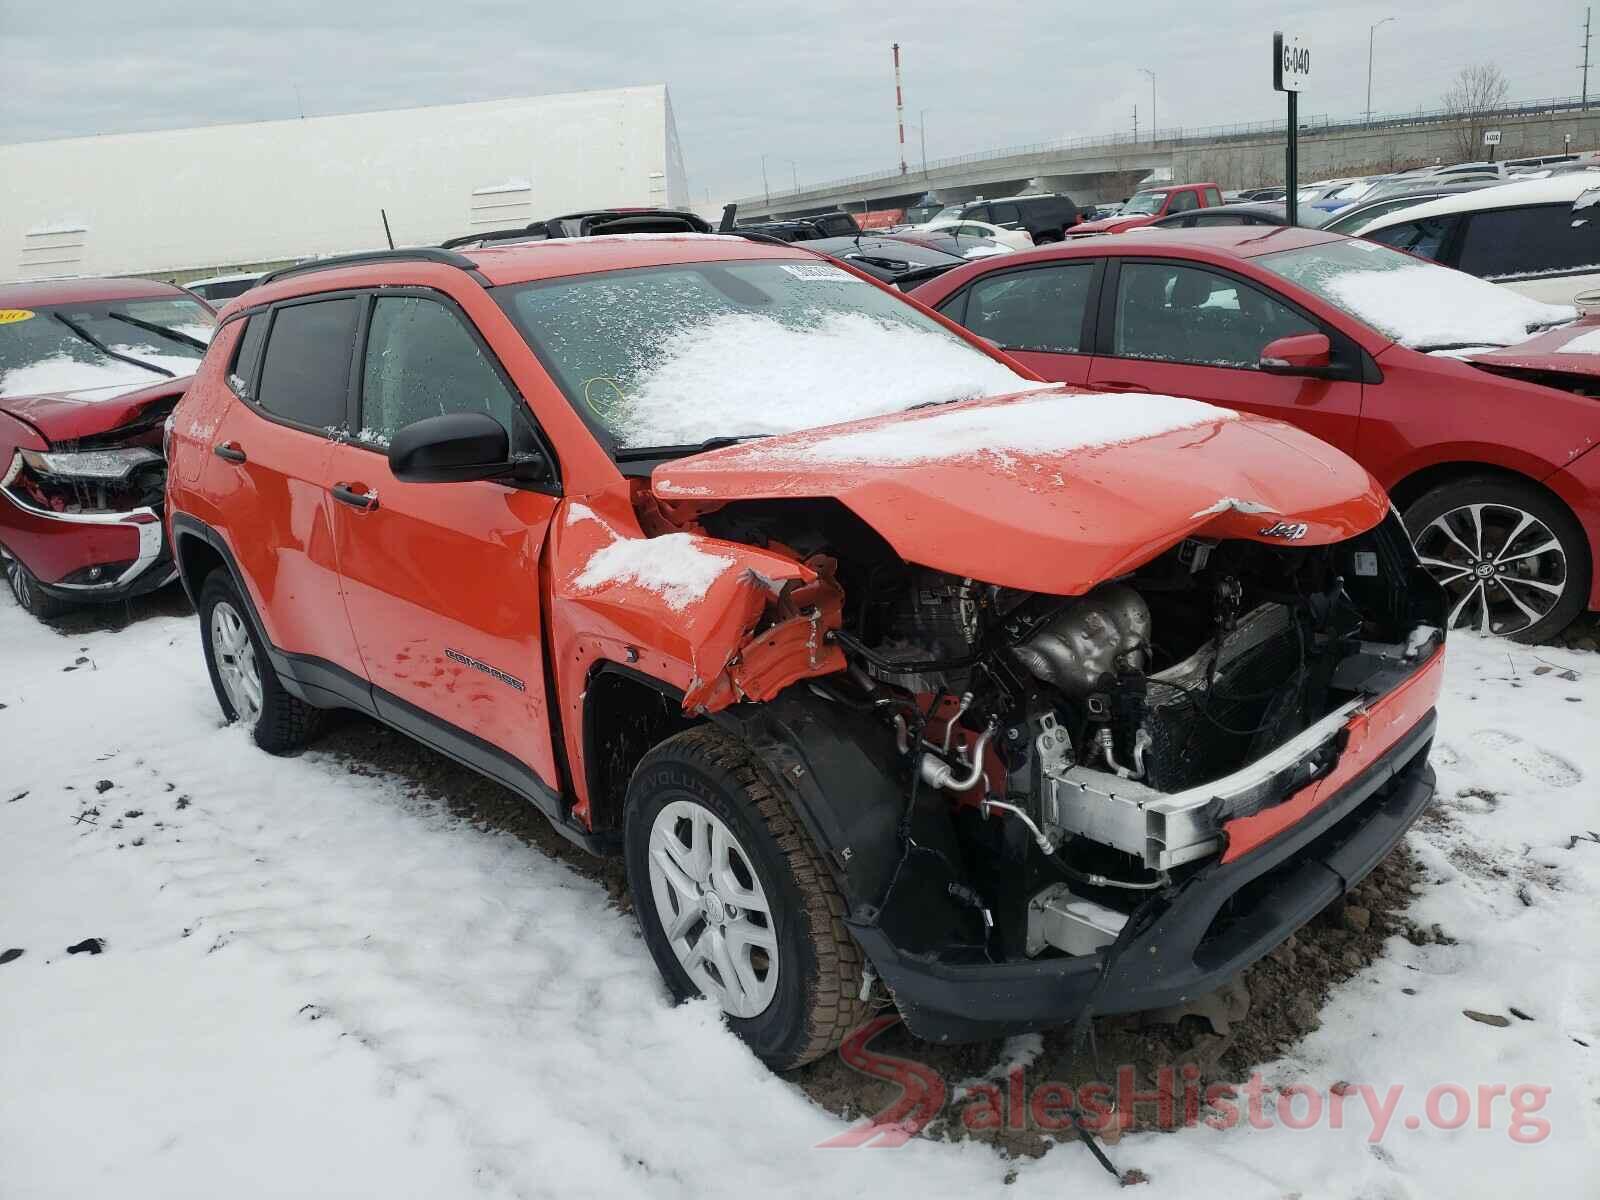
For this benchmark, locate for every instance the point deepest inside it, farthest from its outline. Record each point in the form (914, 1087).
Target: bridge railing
(1178, 136)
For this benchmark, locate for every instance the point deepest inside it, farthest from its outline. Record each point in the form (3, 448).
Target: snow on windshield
(62, 373)
(1418, 304)
(1049, 423)
(679, 355)
(745, 374)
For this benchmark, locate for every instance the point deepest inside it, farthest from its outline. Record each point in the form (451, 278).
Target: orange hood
(1055, 490)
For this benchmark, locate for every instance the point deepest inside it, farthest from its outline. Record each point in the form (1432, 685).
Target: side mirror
(453, 448)
(1299, 354)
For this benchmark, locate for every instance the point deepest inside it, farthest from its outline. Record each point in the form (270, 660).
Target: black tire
(33, 599)
(1505, 497)
(819, 965)
(283, 723)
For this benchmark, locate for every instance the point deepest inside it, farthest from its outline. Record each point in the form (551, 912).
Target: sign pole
(1291, 166)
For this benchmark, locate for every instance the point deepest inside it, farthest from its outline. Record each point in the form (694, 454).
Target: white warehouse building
(190, 202)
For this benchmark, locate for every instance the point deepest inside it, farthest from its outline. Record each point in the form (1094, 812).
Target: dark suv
(1047, 218)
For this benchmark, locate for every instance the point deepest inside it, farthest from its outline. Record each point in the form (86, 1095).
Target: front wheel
(1512, 559)
(734, 901)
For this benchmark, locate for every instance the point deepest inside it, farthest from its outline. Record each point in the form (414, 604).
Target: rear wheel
(1512, 559)
(735, 903)
(25, 587)
(247, 686)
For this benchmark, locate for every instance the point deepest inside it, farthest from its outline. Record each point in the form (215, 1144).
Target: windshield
(1143, 202)
(677, 356)
(1418, 304)
(102, 347)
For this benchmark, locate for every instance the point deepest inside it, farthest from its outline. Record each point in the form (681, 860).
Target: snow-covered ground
(315, 984)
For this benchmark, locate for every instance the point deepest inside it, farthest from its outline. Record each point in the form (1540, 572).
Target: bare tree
(1479, 90)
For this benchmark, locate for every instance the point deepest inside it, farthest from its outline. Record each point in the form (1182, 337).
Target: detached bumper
(87, 557)
(1225, 917)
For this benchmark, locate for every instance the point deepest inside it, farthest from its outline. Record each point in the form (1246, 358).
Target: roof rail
(413, 254)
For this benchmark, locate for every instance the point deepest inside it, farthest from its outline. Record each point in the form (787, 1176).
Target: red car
(1426, 376)
(89, 370)
(890, 672)
(1152, 204)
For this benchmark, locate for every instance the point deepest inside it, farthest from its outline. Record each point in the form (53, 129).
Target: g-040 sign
(1291, 62)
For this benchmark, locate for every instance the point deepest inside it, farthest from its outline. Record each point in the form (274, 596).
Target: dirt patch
(1165, 1052)
(1283, 993)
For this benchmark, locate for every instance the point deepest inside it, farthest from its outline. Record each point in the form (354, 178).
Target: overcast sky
(810, 83)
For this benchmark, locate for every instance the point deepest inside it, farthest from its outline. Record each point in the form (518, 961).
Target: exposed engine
(1091, 748)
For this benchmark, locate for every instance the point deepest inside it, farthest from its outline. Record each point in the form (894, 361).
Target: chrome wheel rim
(711, 906)
(235, 656)
(1501, 567)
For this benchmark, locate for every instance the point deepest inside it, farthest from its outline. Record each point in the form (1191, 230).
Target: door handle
(345, 494)
(231, 451)
(1118, 385)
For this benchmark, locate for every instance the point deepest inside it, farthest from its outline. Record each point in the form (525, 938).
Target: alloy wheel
(235, 656)
(1502, 568)
(713, 909)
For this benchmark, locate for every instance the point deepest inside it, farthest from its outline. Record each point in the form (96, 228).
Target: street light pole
(1371, 33)
(794, 167)
(1152, 75)
(922, 132)
(766, 187)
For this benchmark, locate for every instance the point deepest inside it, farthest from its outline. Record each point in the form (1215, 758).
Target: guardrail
(1178, 136)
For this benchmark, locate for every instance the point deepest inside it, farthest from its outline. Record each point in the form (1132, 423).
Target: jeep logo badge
(1290, 530)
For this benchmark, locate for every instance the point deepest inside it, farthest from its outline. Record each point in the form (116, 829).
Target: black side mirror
(454, 448)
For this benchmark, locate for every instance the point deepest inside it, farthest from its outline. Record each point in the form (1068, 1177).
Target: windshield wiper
(639, 453)
(84, 335)
(176, 335)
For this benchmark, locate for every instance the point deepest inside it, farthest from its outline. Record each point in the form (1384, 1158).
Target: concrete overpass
(1092, 170)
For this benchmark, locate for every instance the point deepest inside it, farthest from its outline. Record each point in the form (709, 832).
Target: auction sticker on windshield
(820, 273)
(10, 316)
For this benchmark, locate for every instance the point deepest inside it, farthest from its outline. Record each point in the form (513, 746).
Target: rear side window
(1183, 202)
(1038, 309)
(247, 356)
(1425, 238)
(1507, 242)
(1213, 197)
(1000, 214)
(305, 376)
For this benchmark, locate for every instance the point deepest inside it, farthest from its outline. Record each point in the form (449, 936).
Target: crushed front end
(1118, 800)
(83, 514)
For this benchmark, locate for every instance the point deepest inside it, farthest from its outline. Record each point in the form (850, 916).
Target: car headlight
(90, 464)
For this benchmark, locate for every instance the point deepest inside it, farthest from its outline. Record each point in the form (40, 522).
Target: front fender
(716, 621)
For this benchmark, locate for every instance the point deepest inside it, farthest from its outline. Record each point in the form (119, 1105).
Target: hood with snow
(68, 416)
(1051, 491)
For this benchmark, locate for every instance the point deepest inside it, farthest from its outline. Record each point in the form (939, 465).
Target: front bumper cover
(132, 540)
(1196, 941)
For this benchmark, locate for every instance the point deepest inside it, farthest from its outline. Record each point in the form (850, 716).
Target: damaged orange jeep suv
(893, 673)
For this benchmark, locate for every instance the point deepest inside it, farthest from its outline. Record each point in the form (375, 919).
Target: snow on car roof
(1558, 189)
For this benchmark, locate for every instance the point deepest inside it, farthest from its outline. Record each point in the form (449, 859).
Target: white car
(1540, 238)
(1016, 239)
